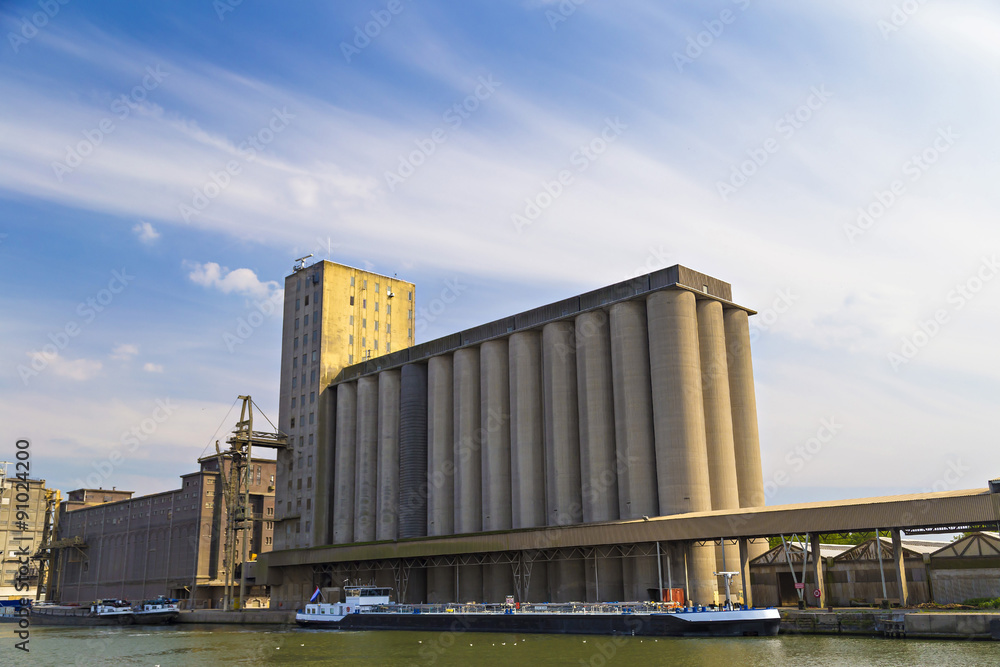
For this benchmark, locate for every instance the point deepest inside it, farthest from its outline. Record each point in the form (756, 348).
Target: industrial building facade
(631, 401)
(334, 316)
(20, 536)
(113, 545)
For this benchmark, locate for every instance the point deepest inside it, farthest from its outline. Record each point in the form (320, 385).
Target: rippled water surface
(216, 646)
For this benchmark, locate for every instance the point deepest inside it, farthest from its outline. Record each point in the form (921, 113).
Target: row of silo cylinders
(644, 409)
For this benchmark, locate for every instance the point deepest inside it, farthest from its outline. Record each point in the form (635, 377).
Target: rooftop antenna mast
(300, 263)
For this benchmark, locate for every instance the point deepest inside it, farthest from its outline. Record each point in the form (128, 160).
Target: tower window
(307, 299)
(352, 301)
(298, 303)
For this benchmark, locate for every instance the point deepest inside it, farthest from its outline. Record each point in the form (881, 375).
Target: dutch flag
(315, 595)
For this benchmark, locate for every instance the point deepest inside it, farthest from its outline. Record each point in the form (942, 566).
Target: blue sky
(162, 164)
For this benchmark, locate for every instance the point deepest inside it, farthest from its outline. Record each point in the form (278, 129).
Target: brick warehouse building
(170, 543)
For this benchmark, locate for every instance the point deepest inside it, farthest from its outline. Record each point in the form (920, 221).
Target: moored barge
(369, 608)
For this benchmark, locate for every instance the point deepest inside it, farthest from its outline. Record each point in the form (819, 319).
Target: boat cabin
(367, 596)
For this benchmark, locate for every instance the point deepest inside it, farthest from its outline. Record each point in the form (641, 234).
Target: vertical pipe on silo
(596, 407)
(718, 419)
(345, 452)
(744, 408)
(598, 465)
(563, 493)
(526, 433)
(366, 482)
(679, 422)
(718, 412)
(440, 447)
(468, 505)
(498, 579)
(743, 400)
(387, 504)
(495, 420)
(637, 494)
(413, 461)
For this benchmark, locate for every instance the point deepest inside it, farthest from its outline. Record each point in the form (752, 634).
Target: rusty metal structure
(236, 481)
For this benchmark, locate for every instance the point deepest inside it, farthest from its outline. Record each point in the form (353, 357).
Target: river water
(219, 646)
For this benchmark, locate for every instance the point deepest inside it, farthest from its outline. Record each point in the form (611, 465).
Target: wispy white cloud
(124, 351)
(72, 369)
(146, 233)
(150, 367)
(240, 281)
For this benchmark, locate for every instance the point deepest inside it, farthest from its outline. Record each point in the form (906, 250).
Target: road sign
(800, 585)
(816, 593)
